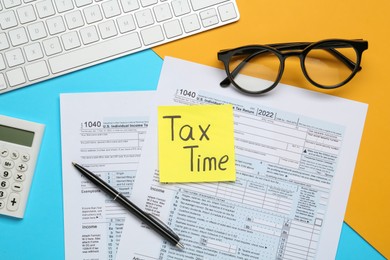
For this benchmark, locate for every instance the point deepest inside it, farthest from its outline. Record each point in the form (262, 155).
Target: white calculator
(20, 141)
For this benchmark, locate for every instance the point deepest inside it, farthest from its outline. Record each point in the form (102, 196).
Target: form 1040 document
(103, 132)
(295, 156)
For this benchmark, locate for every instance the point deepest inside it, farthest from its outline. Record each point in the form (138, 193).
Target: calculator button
(4, 184)
(25, 157)
(5, 174)
(8, 164)
(3, 152)
(17, 187)
(2, 203)
(22, 167)
(19, 176)
(13, 201)
(14, 155)
(3, 194)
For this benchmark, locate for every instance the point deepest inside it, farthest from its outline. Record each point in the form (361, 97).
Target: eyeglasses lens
(325, 67)
(247, 69)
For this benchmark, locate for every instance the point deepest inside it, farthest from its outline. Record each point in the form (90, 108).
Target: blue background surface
(40, 235)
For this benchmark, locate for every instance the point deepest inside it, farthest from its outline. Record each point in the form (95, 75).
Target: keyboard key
(162, 12)
(227, 12)
(14, 57)
(26, 14)
(172, 29)
(37, 31)
(11, 3)
(37, 70)
(89, 35)
(33, 51)
(111, 8)
(152, 35)
(144, 18)
(209, 17)
(45, 8)
(191, 23)
(52, 46)
(55, 25)
(74, 20)
(107, 29)
(8, 20)
(126, 23)
(3, 85)
(18, 36)
(208, 13)
(200, 4)
(93, 53)
(210, 21)
(129, 5)
(3, 42)
(63, 5)
(15, 77)
(70, 40)
(80, 3)
(180, 7)
(93, 14)
(145, 3)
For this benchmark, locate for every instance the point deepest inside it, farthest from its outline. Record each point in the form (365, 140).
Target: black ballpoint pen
(149, 219)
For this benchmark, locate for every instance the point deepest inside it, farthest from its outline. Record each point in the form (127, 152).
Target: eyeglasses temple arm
(350, 64)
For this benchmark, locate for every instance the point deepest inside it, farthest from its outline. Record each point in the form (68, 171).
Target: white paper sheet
(105, 133)
(295, 157)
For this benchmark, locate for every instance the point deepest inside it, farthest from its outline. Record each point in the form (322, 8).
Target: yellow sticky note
(196, 143)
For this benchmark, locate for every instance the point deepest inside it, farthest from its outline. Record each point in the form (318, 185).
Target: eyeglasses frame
(285, 50)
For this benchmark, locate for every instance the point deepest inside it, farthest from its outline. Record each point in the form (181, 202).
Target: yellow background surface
(262, 22)
(210, 128)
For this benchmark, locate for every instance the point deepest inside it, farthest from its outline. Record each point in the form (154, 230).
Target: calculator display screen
(16, 136)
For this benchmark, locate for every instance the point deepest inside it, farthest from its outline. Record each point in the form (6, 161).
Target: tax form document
(295, 156)
(103, 132)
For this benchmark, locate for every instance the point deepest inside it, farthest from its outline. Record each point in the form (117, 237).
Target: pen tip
(180, 245)
(74, 163)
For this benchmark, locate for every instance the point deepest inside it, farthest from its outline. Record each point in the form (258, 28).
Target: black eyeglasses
(326, 64)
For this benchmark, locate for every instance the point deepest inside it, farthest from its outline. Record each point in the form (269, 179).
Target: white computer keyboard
(42, 39)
